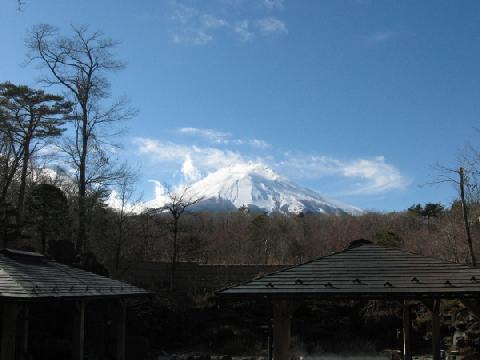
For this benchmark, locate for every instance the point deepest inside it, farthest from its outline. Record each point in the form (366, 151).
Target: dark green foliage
(31, 110)
(389, 239)
(89, 262)
(428, 211)
(63, 251)
(29, 120)
(47, 209)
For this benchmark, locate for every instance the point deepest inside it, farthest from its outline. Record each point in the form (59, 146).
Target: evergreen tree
(47, 208)
(30, 120)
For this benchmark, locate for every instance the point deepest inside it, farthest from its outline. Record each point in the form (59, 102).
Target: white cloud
(115, 202)
(160, 197)
(365, 176)
(189, 171)
(368, 176)
(203, 158)
(378, 176)
(184, 14)
(164, 151)
(211, 21)
(223, 138)
(194, 26)
(193, 37)
(257, 143)
(309, 166)
(271, 25)
(378, 38)
(273, 4)
(242, 30)
(160, 189)
(212, 135)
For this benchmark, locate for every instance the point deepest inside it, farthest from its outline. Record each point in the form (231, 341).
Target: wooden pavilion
(363, 271)
(28, 278)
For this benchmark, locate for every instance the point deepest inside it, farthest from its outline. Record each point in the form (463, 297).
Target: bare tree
(20, 4)
(79, 63)
(177, 204)
(465, 210)
(125, 196)
(460, 178)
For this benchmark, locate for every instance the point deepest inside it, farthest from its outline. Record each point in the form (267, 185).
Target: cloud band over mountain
(361, 176)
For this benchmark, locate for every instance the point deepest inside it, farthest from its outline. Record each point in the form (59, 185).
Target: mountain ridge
(259, 188)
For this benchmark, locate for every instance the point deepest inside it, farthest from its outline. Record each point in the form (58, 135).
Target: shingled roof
(365, 270)
(31, 276)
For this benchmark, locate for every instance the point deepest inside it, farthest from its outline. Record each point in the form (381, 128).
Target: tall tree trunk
(118, 250)
(9, 175)
(266, 251)
(25, 161)
(43, 238)
(82, 186)
(174, 255)
(23, 181)
(465, 216)
(117, 257)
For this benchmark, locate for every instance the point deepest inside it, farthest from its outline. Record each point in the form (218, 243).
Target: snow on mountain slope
(260, 188)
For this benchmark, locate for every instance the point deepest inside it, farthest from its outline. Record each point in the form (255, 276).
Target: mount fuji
(259, 188)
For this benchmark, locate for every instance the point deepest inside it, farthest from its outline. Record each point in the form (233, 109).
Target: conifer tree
(31, 119)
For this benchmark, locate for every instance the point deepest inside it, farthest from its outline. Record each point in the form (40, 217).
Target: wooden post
(281, 330)
(436, 330)
(270, 341)
(120, 327)
(78, 348)
(407, 348)
(9, 330)
(26, 329)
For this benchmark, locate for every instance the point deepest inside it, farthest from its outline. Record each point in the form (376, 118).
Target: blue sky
(355, 99)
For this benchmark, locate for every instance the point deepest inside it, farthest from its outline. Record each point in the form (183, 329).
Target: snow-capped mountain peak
(258, 187)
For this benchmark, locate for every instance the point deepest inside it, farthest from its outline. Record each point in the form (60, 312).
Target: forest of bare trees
(246, 238)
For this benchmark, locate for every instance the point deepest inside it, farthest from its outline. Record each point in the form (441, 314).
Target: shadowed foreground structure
(30, 278)
(363, 271)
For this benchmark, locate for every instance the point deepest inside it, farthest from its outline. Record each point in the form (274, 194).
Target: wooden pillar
(270, 341)
(120, 327)
(78, 348)
(407, 325)
(9, 330)
(26, 329)
(281, 330)
(436, 330)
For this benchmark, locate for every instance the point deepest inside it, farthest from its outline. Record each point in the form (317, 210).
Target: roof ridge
(31, 280)
(281, 270)
(431, 257)
(362, 257)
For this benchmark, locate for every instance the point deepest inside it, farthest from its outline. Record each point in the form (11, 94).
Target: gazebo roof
(365, 270)
(31, 276)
